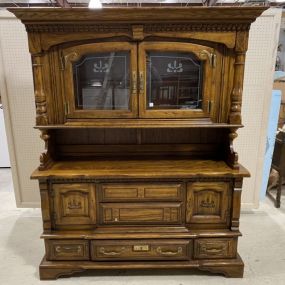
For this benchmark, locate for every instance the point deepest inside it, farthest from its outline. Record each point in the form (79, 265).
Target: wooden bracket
(138, 32)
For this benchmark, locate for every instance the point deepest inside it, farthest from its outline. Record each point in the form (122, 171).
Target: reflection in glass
(102, 80)
(174, 80)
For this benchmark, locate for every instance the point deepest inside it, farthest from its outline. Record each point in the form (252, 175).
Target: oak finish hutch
(138, 109)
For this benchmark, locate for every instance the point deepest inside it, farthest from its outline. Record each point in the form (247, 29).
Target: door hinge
(211, 57)
(62, 62)
(66, 108)
(213, 60)
(209, 107)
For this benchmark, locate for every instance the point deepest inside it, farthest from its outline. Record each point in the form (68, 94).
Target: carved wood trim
(236, 205)
(196, 27)
(40, 96)
(236, 95)
(73, 28)
(127, 28)
(45, 157)
(232, 155)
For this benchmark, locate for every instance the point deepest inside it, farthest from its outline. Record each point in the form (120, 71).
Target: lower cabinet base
(50, 270)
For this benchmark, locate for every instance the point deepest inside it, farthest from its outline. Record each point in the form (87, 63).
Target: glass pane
(102, 81)
(174, 80)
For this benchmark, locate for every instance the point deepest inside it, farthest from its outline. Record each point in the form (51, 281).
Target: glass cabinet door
(100, 80)
(175, 80)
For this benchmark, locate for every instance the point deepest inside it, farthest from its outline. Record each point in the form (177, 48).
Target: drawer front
(141, 250)
(67, 249)
(141, 192)
(140, 213)
(215, 248)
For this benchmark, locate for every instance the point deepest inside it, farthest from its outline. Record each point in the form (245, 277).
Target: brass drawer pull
(111, 253)
(169, 253)
(214, 250)
(61, 249)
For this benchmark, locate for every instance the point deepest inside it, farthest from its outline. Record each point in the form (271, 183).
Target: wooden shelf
(140, 123)
(126, 234)
(139, 168)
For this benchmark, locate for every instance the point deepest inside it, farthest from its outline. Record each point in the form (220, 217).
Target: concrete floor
(262, 248)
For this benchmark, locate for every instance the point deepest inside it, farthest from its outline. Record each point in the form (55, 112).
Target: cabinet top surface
(140, 168)
(135, 14)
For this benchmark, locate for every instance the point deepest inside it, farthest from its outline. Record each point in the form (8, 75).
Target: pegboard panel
(24, 142)
(258, 81)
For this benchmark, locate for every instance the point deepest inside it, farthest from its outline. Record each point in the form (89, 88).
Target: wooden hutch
(138, 109)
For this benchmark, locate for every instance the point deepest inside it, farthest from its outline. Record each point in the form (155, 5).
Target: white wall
(25, 145)
(16, 87)
(258, 81)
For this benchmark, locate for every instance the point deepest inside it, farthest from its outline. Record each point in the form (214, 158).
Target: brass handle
(169, 253)
(134, 82)
(111, 253)
(141, 81)
(60, 249)
(214, 249)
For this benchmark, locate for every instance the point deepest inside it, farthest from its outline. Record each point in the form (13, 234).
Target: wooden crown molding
(196, 17)
(128, 28)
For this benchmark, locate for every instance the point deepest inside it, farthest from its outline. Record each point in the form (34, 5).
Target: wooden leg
(232, 271)
(54, 273)
(279, 188)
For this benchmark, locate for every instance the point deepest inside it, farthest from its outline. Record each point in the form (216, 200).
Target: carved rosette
(40, 96)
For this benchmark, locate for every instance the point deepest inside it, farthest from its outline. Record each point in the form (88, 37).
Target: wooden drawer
(141, 250)
(140, 213)
(67, 249)
(215, 248)
(141, 192)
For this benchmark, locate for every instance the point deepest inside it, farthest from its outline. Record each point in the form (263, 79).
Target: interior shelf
(140, 123)
(116, 168)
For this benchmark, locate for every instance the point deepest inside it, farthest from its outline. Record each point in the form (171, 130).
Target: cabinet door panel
(101, 80)
(176, 80)
(208, 202)
(140, 213)
(74, 204)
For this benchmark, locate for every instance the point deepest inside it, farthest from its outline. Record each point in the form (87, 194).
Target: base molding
(51, 270)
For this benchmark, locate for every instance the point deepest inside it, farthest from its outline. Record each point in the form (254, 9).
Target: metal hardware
(209, 107)
(66, 108)
(111, 253)
(60, 249)
(62, 62)
(141, 81)
(169, 253)
(37, 64)
(211, 57)
(213, 249)
(134, 82)
(144, 247)
(213, 60)
(116, 219)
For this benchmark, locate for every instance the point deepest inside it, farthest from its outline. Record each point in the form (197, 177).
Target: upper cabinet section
(100, 80)
(177, 80)
(155, 66)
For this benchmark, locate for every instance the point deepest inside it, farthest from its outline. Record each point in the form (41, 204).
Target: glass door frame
(73, 54)
(202, 53)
